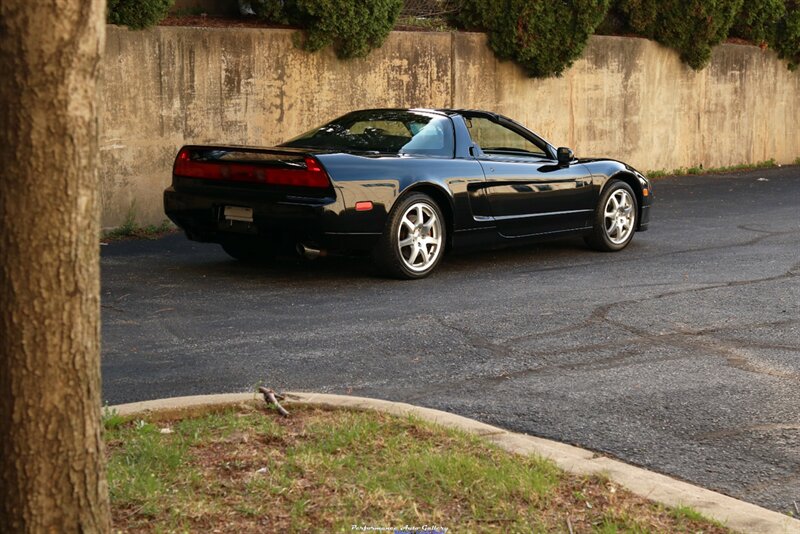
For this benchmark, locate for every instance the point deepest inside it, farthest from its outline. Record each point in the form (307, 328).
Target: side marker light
(363, 206)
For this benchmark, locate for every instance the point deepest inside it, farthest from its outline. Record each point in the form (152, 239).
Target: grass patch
(243, 469)
(111, 418)
(712, 170)
(131, 230)
(685, 515)
(684, 512)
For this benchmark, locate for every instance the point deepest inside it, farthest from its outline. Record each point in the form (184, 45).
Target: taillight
(181, 166)
(314, 174)
(310, 175)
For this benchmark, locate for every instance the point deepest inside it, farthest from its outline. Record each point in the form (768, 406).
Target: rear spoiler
(270, 166)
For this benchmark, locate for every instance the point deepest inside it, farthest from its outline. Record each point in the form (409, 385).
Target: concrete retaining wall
(626, 98)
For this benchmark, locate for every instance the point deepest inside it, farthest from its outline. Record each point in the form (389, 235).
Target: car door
(529, 192)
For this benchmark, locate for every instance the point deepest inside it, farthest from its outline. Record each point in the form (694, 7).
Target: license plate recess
(238, 213)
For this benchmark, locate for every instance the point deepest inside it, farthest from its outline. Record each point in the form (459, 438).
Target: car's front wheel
(413, 242)
(615, 218)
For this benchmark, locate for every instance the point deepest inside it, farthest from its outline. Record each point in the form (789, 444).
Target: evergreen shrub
(543, 37)
(787, 35)
(758, 21)
(137, 14)
(692, 27)
(352, 27)
(615, 22)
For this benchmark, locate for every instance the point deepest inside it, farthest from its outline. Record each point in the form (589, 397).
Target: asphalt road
(680, 354)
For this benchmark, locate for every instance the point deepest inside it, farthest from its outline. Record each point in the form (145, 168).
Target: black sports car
(404, 185)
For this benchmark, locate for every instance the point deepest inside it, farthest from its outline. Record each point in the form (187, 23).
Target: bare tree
(52, 473)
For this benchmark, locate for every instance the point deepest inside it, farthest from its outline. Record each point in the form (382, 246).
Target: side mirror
(565, 156)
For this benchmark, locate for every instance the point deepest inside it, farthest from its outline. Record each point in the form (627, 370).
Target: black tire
(615, 218)
(247, 251)
(409, 248)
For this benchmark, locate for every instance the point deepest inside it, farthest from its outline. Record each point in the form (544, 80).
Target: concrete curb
(737, 515)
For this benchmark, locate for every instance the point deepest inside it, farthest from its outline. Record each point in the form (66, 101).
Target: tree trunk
(52, 468)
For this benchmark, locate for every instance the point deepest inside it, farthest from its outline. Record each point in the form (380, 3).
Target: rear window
(383, 131)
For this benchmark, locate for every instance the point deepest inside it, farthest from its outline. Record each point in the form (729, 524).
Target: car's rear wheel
(247, 251)
(615, 218)
(413, 242)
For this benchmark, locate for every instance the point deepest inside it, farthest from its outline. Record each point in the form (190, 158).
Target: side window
(496, 139)
(434, 138)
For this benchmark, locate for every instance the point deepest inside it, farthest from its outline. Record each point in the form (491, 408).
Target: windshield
(384, 131)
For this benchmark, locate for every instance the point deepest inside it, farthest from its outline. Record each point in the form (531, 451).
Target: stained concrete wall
(626, 98)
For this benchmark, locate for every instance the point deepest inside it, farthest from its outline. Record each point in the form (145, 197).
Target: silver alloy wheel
(419, 237)
(618, 216)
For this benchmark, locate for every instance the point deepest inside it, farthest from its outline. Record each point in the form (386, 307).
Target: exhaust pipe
(310, 253)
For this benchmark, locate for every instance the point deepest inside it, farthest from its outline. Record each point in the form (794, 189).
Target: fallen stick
(272, 398)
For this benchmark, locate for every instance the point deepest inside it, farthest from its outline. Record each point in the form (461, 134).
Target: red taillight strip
(312, 175)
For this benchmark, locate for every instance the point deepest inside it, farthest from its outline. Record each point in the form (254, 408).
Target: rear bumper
(282, 222)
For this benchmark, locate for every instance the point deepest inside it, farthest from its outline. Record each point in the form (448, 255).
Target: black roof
(441, 111)
(454, 111)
